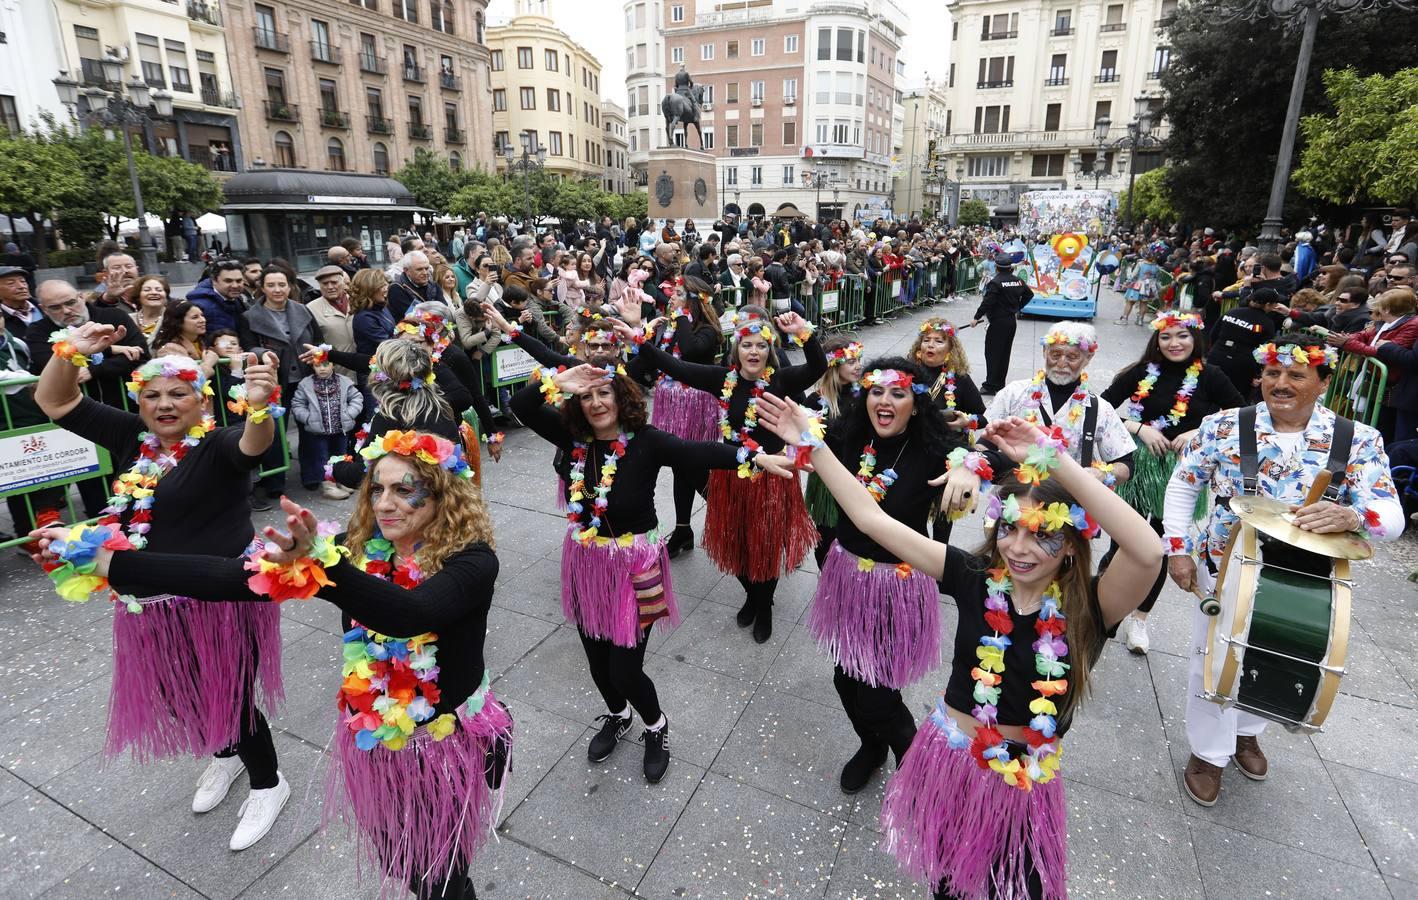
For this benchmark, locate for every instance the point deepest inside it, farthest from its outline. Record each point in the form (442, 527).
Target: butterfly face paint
(413, 491)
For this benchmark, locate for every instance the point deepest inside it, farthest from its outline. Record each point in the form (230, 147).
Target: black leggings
(1157, 583)
(826, 534)
(457, 886)
(619, 674)
(759, 592)
(687, 484)
(1036, 886)
(257, 752)
(878, 714)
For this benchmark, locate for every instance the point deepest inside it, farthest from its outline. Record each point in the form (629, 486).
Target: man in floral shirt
(1293, 438)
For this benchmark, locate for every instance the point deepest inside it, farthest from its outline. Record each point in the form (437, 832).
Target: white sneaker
(332, 491)
(215, 782)
(1137, 635)
(259, 813)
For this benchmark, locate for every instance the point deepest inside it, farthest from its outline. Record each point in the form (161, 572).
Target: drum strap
(1090, 428)
(1341, 445)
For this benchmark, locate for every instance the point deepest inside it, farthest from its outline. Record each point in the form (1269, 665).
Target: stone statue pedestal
(683, 185)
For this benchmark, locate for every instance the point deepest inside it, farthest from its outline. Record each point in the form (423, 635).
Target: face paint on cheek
(417, 495)
(1003, 530)
(1051, 542)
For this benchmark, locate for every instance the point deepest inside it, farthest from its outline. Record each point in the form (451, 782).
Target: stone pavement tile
(507, 870)
(533, 533)
(1369, 672)
(48, 667)
(510, 636)
(1117, 741)
(1369, 735)
(1383, 808)
(709, 638)
(735, 841)
(554, 677)
(42, 843)
(1118, 846)
(324, 866)
(864, 872)
(1234, 864)
(11, 787)
(790, 600)
(315, 613)
(696, 576)
(535, 591)
(120, 872)
(662, 632)
(122, 796)
(540, 740)
(310, 670)
(792, 748)
(1401, 890)
(1169, 625)
(194, 847)
(62, 731)
(802, 670)
(703, 707)
(510, 563)
(604, 819)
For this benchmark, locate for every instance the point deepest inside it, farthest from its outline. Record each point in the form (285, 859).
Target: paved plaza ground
(750, 807)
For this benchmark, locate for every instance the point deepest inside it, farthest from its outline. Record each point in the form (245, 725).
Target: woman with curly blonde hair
(421, 744)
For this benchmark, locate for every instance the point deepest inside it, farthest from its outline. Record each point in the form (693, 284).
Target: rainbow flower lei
(67, 352)
(434, 450)
(892, 378)
(576, 492)
(1132, 410)
(850, 353)
(1056, 339)
(1296, 355)
(1042, 518)
(1073, 412)
(1168, 319)
(433, 329)
(878, 484)
(750, 413)
(941, 325)
(1040, 763)
(135, 488)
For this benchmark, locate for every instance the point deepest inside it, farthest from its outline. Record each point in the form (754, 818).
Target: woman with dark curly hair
(615, 574)
(878, 617)
(182, 332)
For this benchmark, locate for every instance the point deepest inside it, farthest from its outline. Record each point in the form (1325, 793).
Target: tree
(431, 180)
(37, 176)
(1226, 90)
(974, 212)
(1367, 151)
(1152, 199)
(483, 192)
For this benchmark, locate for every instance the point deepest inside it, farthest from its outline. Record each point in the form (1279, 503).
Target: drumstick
(1317, 489)
(1209, 604)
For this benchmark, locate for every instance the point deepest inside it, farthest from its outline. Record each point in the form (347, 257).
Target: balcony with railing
(376, 65)
(380, 125)
(986, 85)
(1062, 139)
(450, 82)
(267, 39)
(334, 118)
(204, 12)
(325, 52)
(214, 161)
(455, 136)
(1106, 77)
(280, 111)
(1111, 27)
(214, 97)
(1055, 82)
(1061, 32)
(420, 132)
(1155, 75)
(999, 35)
(413, 72)
(1164, 22)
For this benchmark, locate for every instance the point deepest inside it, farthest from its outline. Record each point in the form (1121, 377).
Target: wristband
(256, 415)
(803, 334)
(66, 351)
(1110, 480)
(496, 437)
(746, 455)
(551, 394)
(1043, 457)
(512, 333)
(301, 579)
(330, 465)
(73, 571)
(972, 461)
(1173, 545)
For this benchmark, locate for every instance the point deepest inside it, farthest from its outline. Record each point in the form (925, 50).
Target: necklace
(949, 389)
(1132, 410)
(135, 488)
(1072, 411)
(577, 493)
(877, 485)
(750, 413)
(1040, 763)
(390, 684)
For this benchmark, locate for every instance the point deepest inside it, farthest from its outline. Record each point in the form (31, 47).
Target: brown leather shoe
(1249, 759)
(1202, 781)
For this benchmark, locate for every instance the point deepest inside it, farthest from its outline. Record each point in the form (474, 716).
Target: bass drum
(1278, 647)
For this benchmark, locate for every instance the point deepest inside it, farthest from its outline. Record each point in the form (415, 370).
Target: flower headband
(378, 375)
(1168, 319)
(1296, 355)
(892, 378)
(850, 353)
(433, 329)
(749, 324)
(434, 450)
(320, 355)
(940, 325)
(169, 367)
(1058, 338)
(601, 335)
(1042, 518)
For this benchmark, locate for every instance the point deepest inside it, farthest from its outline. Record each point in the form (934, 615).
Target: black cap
(7, 271)
(1264, 295)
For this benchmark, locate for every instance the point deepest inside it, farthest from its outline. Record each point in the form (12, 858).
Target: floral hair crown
(380, 376)
(432, 328)
(1296, 355)
(892, 378)
(1042, 518)
(169, 367)
(748, 324)
(320, 355)
(850, 353)
(1166, 320)
(604, 335)
(434, 450)
(1058, 339)
(941, 325)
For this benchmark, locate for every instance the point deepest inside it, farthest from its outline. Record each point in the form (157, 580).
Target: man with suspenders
(1275, 449)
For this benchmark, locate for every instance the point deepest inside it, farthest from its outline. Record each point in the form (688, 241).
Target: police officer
(1238, 333)
(1004, 297)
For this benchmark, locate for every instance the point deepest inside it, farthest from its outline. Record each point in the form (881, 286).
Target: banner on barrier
(831, 301)
(511, 365)
(896, 288)
(47, 456)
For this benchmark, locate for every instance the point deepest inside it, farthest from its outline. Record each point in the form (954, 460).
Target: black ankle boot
(763, 622)
(860, 768)
(681, 539)
(748, 612)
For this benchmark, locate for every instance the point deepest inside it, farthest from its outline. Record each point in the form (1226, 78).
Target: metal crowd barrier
(1356, 389)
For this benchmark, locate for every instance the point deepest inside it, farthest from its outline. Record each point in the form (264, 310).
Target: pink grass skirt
(684, 411)
(757, 528)
(597, 591)
(186, 671)
(426, 810)
(952, 824)
(880, 627)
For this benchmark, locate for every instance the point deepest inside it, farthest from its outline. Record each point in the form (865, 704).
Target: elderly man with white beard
(1058, 394)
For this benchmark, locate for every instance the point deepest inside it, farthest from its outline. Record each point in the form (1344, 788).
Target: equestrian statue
(682, 108)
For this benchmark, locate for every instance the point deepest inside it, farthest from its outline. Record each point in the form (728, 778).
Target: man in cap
(1004, 297)
(332, 312)
(17, 309)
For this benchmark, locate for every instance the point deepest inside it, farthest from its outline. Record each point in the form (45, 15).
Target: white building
(32, 57)
(924, 141)
(1029, 80)
(617, 177)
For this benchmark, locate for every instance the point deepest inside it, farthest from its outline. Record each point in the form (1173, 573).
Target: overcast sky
(598, 26)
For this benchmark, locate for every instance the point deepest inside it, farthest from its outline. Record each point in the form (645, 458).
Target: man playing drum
(1294, 441)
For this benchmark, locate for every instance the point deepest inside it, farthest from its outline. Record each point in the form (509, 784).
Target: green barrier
(967, 275)
(1356, 389)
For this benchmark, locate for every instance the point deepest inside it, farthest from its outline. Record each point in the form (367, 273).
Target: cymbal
(1274, 518)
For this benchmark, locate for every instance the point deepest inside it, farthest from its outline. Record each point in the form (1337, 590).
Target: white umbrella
(211, 223)
(130, 226)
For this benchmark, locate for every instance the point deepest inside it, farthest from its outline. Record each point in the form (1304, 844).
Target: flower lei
(941, 325)
(435, 451)
(1042, 457)
(750, 413)
(135, 488)
(1040, 763)
(551, 394)
(1296, 355)
(748, 325)
(320, 355)
(1036, 397)
(433, 329)
(239, 405)
(66, 351)
(1132, 410)
(577, 492)
(973, 461)
(73, 570)
(850, 353)
(1042, 518)
(1168, 319)
(877, 485)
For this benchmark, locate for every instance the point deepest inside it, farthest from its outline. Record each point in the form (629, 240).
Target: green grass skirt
(821, 505)
(1146, 490)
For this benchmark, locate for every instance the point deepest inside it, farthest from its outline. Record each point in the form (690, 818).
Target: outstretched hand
(496, 317)
(790, 323)
(1013, 436)
(261, 379)
(784, 418)
(284, 548)
(95, 337)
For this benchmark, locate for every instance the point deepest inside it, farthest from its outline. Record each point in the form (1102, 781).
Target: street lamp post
(122, 107)
(935, 173)
(1139, 135)
(816, 179)
(530, 161)
(1100, 162)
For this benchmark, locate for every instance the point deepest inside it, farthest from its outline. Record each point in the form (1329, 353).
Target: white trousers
(1211, 728)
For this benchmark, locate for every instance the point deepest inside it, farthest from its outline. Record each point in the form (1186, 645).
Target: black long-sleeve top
(549, 358)
(453, 602)
(909, 500)
(631, 502)
(967, 395)
(788, 382)
(696, 344)
(202, 503)
(1214, 392)
(1004, 297)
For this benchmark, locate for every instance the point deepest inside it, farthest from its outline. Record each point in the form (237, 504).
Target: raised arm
(529, 405)
(700, 376)
(797, 379)
(57, 392)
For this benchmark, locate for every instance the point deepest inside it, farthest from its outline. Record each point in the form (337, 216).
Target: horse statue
(683, 109)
